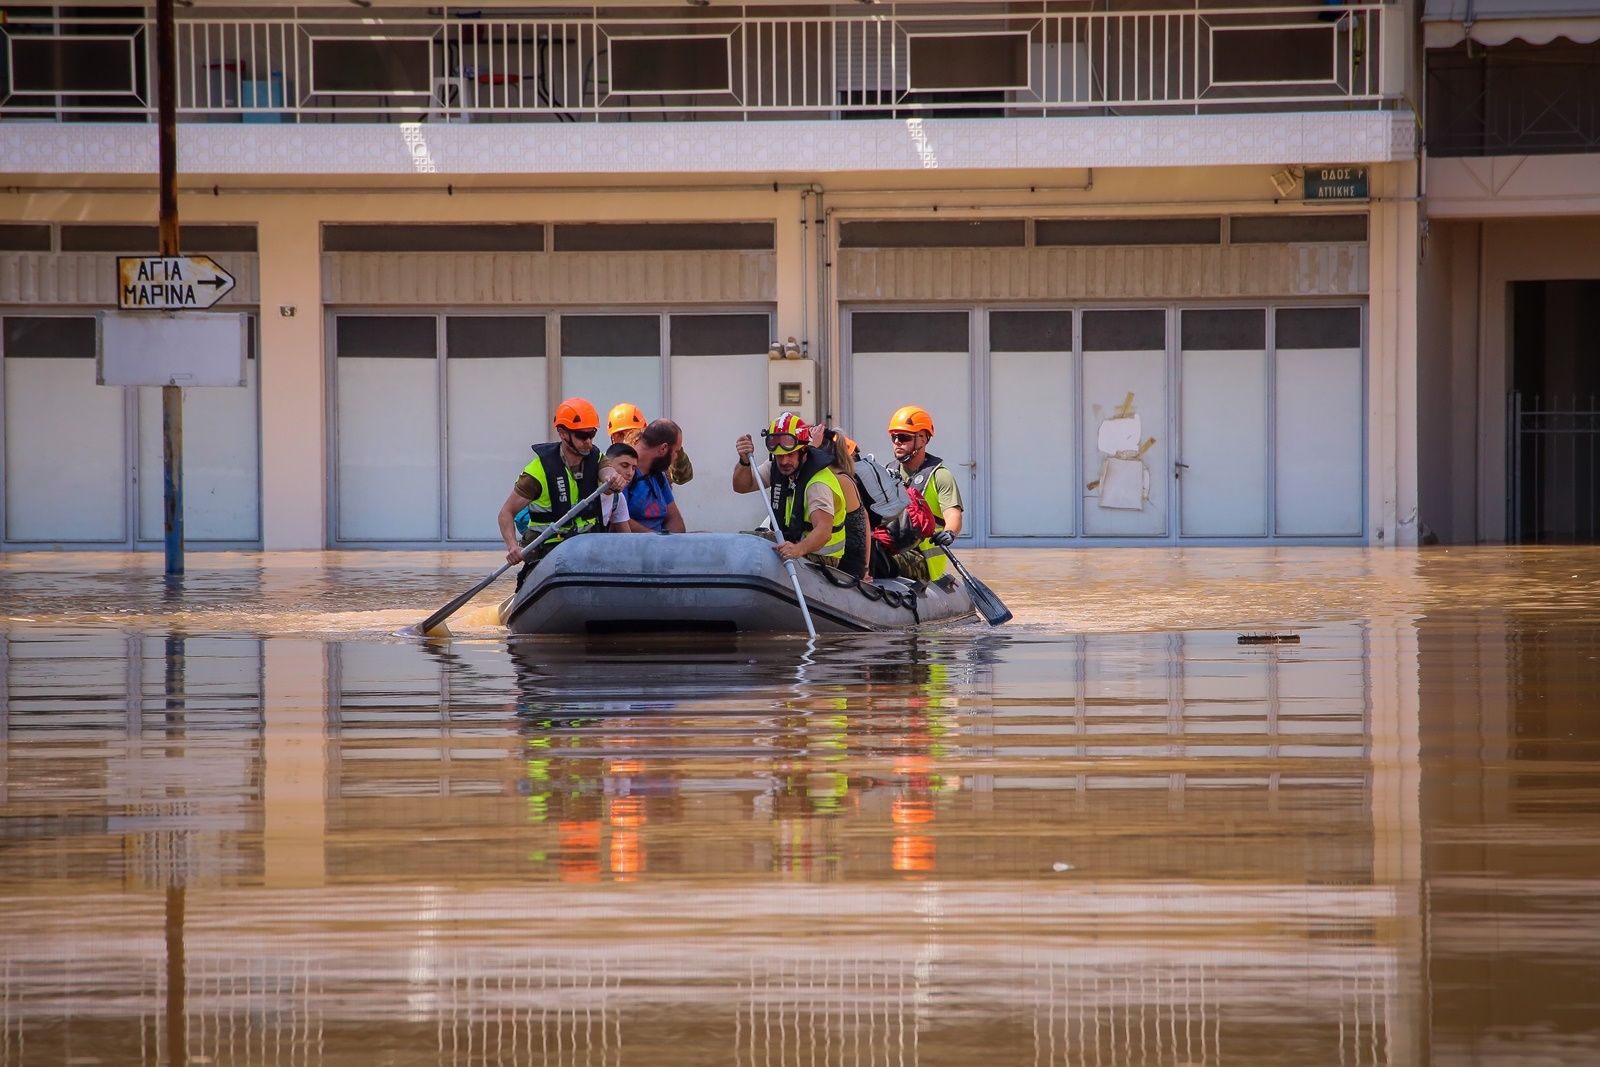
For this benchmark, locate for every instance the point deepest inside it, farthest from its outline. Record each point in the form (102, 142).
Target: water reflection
(1020, 846)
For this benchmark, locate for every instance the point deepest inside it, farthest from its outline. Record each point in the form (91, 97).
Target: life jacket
(559, 491)
(922, 482)
(793, 524)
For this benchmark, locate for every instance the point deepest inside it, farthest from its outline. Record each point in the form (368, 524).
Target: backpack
(883, 492)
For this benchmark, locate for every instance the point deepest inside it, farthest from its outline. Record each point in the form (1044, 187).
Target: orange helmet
(624, 417)
(786, 434)
(576, 413)
(911, 419)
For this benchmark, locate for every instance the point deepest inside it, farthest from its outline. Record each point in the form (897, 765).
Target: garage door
(434, 414)
(922, 358)
(83, 462)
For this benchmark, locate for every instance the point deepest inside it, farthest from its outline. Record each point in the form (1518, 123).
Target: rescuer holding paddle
(561, 473)
(808, 500)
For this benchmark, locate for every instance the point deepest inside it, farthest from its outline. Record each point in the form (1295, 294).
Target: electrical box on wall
(792, 386)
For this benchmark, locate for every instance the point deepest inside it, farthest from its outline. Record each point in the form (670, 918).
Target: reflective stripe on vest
(922, 483)
(567, 490)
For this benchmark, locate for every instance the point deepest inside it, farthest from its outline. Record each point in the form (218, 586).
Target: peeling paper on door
(1124, 480)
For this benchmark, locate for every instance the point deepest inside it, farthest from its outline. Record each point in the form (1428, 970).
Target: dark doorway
(1555, 412)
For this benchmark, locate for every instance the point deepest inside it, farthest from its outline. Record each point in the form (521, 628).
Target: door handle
(1177, 467)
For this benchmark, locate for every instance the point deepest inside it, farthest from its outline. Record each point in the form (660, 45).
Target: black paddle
(460, 602)
(994, 612)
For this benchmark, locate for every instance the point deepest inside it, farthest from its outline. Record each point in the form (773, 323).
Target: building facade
(1510, 279)
(1154, 269)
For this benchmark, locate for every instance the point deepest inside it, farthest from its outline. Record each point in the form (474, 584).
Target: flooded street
(243, 821)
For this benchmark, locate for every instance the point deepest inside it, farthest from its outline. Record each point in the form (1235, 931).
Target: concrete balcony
(278, 92)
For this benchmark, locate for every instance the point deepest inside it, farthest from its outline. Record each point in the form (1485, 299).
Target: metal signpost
(171, 395)
(170, 340)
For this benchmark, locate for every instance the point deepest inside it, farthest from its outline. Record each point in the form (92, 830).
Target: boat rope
(892, 597)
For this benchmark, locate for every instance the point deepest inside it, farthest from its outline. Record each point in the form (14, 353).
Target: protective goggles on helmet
(780, 442)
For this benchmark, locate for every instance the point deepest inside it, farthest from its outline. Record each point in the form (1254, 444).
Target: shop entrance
(1554, 413)
(1129, 424)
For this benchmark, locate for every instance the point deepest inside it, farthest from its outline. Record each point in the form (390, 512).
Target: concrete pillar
(1392, 359)
(293, 419)
(789, 246)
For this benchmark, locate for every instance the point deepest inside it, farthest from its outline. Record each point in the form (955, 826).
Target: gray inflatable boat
(717, 583)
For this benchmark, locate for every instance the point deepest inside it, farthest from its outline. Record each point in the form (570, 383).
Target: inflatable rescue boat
(716, 583)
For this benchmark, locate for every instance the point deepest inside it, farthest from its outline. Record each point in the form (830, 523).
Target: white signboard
(174, 348)
(170, 283)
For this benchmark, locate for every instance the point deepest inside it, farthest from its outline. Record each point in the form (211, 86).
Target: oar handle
(794, 575)
(549, 531)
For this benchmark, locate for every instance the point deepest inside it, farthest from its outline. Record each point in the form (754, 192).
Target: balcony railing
(477, 68)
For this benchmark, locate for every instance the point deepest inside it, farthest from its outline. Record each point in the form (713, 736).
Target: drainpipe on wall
(805, 309)
(827, 312)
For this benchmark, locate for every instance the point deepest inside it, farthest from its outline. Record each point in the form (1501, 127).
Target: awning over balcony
(1448, 22)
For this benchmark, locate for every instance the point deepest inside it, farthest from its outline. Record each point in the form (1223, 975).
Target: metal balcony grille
(1514, 100)
(1555, 479)
(458, 68)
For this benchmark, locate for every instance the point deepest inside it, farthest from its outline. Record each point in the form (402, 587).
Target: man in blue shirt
(651, 507)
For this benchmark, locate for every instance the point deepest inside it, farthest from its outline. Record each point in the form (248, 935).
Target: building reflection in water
(1140, 848)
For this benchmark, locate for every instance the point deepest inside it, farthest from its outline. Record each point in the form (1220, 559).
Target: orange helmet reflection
(914, 853)
(911, 811)
(627, 812)
(627, 853)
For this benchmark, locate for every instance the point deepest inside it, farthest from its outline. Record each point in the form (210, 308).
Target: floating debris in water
(1269, 639)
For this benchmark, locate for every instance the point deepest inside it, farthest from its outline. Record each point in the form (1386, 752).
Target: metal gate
(1553, 445)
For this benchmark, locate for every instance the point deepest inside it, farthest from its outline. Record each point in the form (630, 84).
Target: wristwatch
(744, 461)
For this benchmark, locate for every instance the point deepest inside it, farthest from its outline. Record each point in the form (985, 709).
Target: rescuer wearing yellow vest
(806, 495)
(910, 430)
(561, 473)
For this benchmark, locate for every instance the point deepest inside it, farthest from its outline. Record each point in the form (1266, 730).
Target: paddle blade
(992, 609)
(433, 625)
(994, 612)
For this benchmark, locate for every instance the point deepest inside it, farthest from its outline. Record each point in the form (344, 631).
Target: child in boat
(623, 459)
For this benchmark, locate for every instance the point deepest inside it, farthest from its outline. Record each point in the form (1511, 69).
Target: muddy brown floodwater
(243, 822)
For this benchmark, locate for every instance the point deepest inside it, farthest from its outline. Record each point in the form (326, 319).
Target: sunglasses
(584, 435)
(782, 442)
(902, 438)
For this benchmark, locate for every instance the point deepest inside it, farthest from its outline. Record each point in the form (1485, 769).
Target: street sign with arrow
(170, 283)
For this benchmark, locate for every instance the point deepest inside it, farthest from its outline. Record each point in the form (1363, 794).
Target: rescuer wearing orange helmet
(910, 430)
(561, 473)
(626, 423)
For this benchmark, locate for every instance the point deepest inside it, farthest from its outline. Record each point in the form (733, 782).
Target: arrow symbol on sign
(166, 283)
